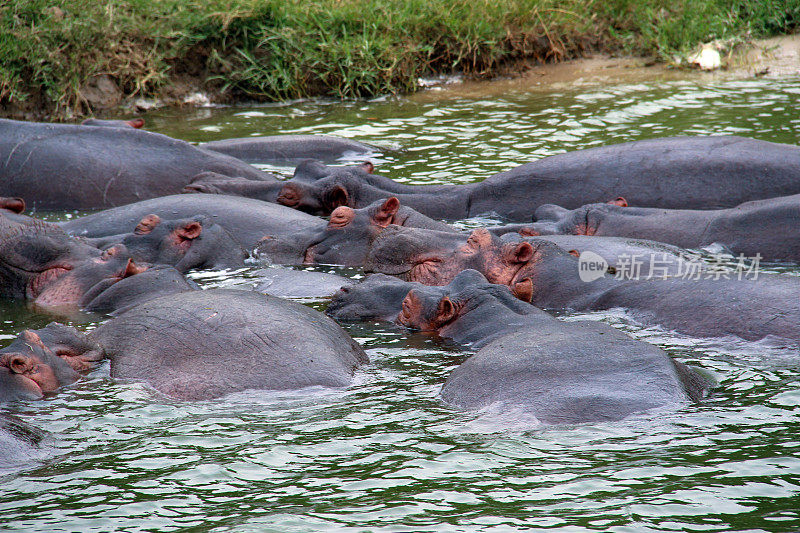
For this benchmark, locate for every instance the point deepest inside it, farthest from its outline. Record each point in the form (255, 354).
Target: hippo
(248, 221)
(347, 237)
(200, 345)
(379, 297)
(677, 173)
(42, 264)
(714, 303)
(136, 123)
(526, 360)
(286, 192)
(20, 443)
(155, 282)
(187, 243)
(29, 370)
(288, 283)
(761, 227)
(290, 148)
(12, 209)
(435, 257)
(66, 166)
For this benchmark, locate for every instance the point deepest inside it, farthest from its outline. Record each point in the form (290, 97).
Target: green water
(385, 454)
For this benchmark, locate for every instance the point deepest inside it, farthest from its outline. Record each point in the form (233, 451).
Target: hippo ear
(336, 197)
(19, 364)
(15, 205)
(368, 167)
(135, 123)
(521, 253)
(147, 224)
(341, 217)
(620, 201)
(385, 214)
(445, 311)
(32, 339)
(190, 230)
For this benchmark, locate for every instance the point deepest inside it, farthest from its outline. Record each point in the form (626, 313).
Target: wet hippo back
(205, 344)
(64, 166)
(247, 220)
(677, 172)
(289, 148)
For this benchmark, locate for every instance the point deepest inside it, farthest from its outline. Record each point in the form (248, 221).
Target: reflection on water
(385, 454)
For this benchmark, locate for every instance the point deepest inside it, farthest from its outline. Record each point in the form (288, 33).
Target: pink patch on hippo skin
(15, 205)
(528, 232)
(147, 224)
(39, 284)
(620, 201)
(584, 229)
(136, 123)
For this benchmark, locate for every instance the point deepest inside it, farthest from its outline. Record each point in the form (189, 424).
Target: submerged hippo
(714, 303)
(347, 237)
(561, 372)
(246, 220)
(765, 227)
(677, 172)
(186, 243)
(65, 166)
(205, 344)
(29, 369)
(291, 148)
(42, 264)
(20, 444)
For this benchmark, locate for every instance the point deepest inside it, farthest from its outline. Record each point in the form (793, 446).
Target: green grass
(270, 49)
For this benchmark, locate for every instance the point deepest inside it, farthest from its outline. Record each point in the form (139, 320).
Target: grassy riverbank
(73, 57)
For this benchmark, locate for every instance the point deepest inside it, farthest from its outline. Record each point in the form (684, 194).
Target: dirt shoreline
(771, 58)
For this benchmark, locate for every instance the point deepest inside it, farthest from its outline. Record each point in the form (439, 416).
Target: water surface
(385, 454)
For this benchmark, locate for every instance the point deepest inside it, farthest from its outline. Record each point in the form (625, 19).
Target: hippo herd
(165, 207)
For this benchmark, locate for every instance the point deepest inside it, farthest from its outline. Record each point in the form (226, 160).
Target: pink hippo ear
(147, 224)
(19, 364)
(341, 217)
(576, 253)
(445, 312)
(620, 201)
(15, 205)
(135, 123)
(520, 253)
(368, 167)
(191, 230)
(336, 197)
(385, 214)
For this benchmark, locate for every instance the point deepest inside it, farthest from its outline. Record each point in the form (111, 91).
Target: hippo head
(40, 263)
(71, 346)
(135, 123)
(379, 297)
(342, 186)
(344, 240)
(585, 220)
(215, 183)
(187, 243)
(547, 267)
(29, 370)
(435, 308)
(435, 258)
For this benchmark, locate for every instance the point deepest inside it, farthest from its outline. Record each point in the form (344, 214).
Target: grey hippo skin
(526, 360)
(65, 166)
(20, 444)
(701, 306)
(206, 344)
(676, 173)
(767, 227)
(155, 282)
(288, 283)
(290, 148)
(246, 220)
